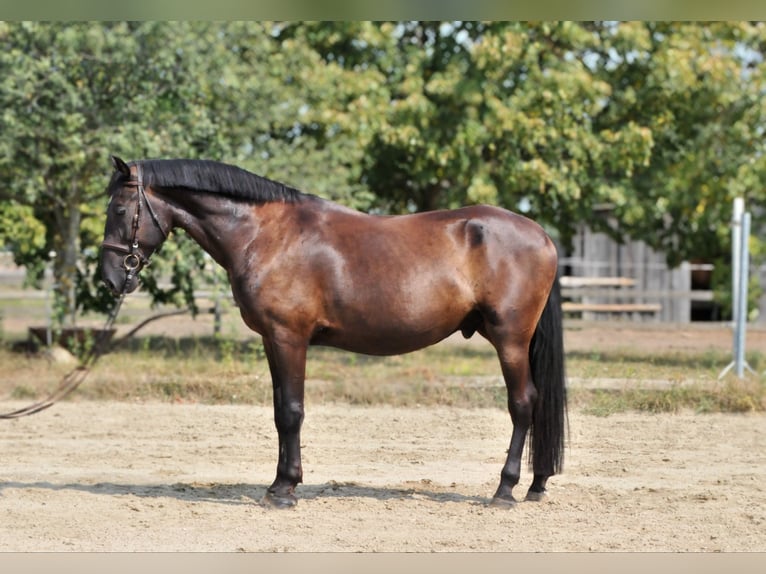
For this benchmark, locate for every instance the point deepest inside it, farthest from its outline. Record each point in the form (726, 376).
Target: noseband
(134, 256)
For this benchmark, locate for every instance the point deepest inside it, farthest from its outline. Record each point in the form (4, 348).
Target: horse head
(134, 228)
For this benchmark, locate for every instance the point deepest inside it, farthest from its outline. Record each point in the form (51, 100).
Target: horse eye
(121, 210)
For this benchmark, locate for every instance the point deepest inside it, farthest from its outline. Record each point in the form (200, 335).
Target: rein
(134, 261)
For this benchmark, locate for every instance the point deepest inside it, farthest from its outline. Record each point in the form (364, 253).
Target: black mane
(215, 177)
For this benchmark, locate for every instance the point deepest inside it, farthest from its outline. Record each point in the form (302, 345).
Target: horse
(307, 271)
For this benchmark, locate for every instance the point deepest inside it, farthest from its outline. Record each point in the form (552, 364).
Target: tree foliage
(72, 94)
(660, 125)
(699, 90)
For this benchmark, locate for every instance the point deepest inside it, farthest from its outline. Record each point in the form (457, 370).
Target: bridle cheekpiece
(135, 259)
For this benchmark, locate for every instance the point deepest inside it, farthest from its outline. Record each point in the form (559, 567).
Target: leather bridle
(135, 259)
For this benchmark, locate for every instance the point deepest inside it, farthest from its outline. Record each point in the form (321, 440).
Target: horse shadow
(242, 494)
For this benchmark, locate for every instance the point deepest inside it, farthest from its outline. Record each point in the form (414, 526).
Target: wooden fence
(632, 280)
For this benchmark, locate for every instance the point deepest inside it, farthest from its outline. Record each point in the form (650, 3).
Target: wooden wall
(597, 255)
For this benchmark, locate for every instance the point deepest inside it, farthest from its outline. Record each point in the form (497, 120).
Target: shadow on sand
(246, 494)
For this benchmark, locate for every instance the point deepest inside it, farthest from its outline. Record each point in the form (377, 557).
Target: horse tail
(549, 416)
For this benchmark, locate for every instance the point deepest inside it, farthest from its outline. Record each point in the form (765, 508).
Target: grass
(729, 396)
(224, 370)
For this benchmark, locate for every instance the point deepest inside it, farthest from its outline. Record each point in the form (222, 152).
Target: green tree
(73, 93)
(660, 124)
(699, 89)
(289, 114)
(559, 117)
(488, 113)
(70, 94)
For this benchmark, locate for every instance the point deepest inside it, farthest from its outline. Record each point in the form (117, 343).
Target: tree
(70, 93)
(73, 93)
(660, 123)
(699, 89)
(489, 113)
(290, 115)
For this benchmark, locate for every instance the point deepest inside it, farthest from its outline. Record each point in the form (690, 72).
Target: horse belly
(388, 320)
(379, 341)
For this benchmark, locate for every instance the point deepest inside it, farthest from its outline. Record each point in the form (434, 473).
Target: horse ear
(120, 166)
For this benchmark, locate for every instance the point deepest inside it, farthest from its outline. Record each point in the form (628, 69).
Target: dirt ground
(90, 476)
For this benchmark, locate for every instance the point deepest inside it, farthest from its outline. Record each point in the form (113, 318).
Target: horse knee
(289, 417)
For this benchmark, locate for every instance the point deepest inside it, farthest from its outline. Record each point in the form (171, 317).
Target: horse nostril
(110, 285)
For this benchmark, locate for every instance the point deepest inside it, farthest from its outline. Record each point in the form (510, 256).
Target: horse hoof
(271, 500)
(533, 496)
(502, 502)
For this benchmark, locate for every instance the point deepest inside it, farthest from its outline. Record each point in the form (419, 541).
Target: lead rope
(132, 264)
(77, 375)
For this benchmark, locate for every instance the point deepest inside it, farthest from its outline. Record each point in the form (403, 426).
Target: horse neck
(217, 223)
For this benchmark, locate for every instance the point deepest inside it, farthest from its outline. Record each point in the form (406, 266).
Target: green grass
(730, 396)
(674, 366)
(224, 370)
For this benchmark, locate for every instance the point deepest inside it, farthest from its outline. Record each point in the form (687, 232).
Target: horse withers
(307, 271)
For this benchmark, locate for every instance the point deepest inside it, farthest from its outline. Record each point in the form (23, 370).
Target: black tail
(546, 359)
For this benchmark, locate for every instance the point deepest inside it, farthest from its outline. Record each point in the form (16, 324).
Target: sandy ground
(87, 476)
(157, 477)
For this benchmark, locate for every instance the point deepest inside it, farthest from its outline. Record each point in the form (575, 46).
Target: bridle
(133, 262)
(135, 259)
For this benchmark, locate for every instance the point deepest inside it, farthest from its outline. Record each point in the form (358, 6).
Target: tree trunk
(67, 256)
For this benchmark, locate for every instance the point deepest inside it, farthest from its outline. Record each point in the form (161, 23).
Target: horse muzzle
(119, 284)
(133, 261)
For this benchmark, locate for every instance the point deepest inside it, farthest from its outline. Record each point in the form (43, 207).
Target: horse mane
(216, 177)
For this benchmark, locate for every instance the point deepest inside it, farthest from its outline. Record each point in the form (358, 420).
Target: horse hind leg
(514, 361)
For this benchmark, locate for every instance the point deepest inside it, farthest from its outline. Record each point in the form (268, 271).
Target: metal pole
(736, 260)
(740, 265)
(744, 269)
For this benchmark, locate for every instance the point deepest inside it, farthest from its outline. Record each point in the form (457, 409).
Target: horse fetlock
(509, 479)
(291, 474)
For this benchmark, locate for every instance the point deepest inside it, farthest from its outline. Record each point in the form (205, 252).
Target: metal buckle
(131, 262)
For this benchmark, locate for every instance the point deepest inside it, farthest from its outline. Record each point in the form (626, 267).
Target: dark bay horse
(306, 271)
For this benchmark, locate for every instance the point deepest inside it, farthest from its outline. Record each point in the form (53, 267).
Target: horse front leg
(287, 363)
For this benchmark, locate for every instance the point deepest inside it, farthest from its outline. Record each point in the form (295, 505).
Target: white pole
(736, 259)
(744, 269)
(740, 262)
